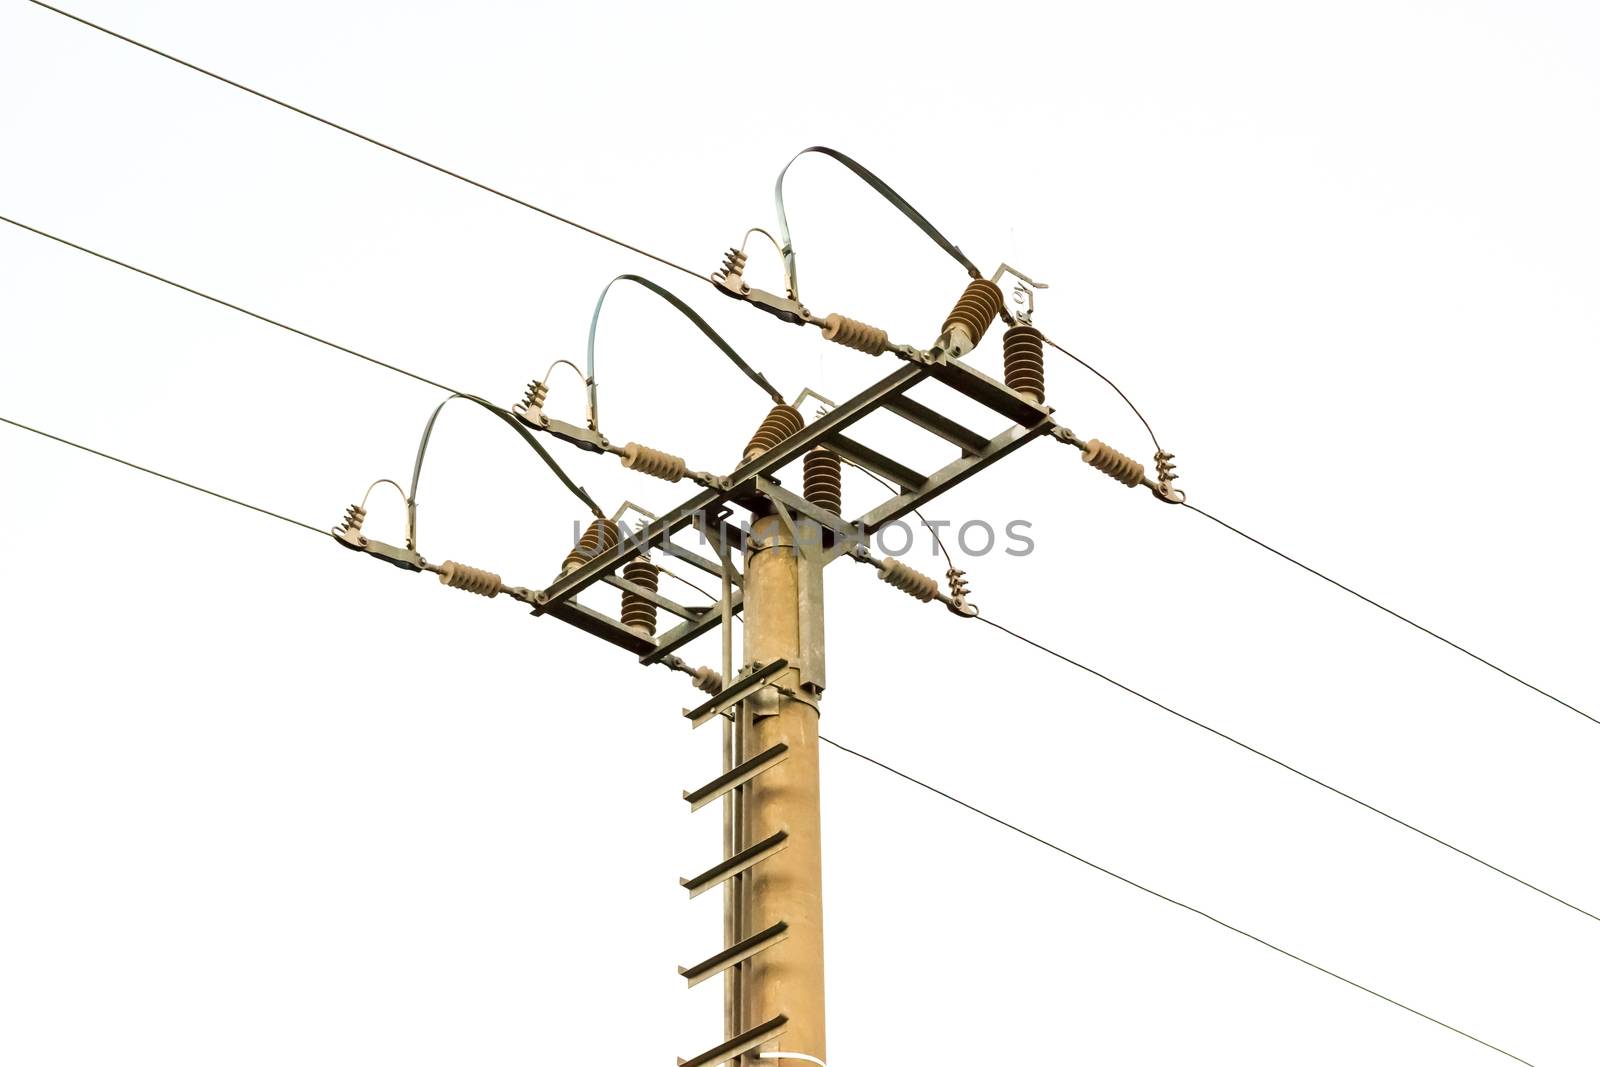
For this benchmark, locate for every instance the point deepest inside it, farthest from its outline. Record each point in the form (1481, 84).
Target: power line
(676, 266)
(1313, 570)
(498, 411)
(915, 511)
(371, 140)
(1391, 611)
(1162, 896)
(895, 771)
(694, 274)
(231, 306)
(1086, 365)
(438, 385)
(167, 477)
(1286, 766)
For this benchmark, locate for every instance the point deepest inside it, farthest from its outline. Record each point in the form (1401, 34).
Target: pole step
(731, 780)
(737, 691)
(735, 954)
(739, 861)
(738, 1046)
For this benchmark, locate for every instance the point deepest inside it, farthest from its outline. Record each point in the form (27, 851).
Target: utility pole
(770, 872)
(787, 979)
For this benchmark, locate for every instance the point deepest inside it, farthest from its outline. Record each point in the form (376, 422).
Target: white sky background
(263, 801)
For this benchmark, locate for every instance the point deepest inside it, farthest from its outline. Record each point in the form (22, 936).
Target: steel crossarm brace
(576, 581)
(805, 508)
(741, 481)
(858, 454)
(604, 627)
(973, 383)
(732, 694)
(953, 474)
(969, 441)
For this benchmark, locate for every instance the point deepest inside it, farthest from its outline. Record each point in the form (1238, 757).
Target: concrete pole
(732, 905)
(787, 978)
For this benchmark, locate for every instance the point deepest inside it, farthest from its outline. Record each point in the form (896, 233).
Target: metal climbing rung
(739, 861)
(731, 780)
(734, 954)
(741, 688)
(738, 1046)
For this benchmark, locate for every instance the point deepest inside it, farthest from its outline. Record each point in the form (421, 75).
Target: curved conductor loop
(351, 535)
(797, 1056)
(531, 410)
(1166, 469)
(516, 426)
(879, 186)
(356, 514)
(735, 259)
(687, 312)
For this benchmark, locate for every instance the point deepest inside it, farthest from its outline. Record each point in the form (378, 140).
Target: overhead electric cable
(1391, 611)
(1313, 570)
(951, 563)
(1131, 406)
(504, 415)
(676, 266)
(371, 140)
(687, 312)
(224, 303)
(1162, 896)
(1286, 766)
(166, 477)
(520, 430)
(877, 763)
(879, 186)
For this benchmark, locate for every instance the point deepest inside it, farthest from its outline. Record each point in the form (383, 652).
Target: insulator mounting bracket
(404, 558)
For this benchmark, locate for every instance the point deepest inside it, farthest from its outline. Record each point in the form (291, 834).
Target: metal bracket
(404, 558)
(783, 307)
(809, 561)
(585, 438)
(736, 691)
(728, 781)
(734, 1047)
(736, 863)
(735, 954)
